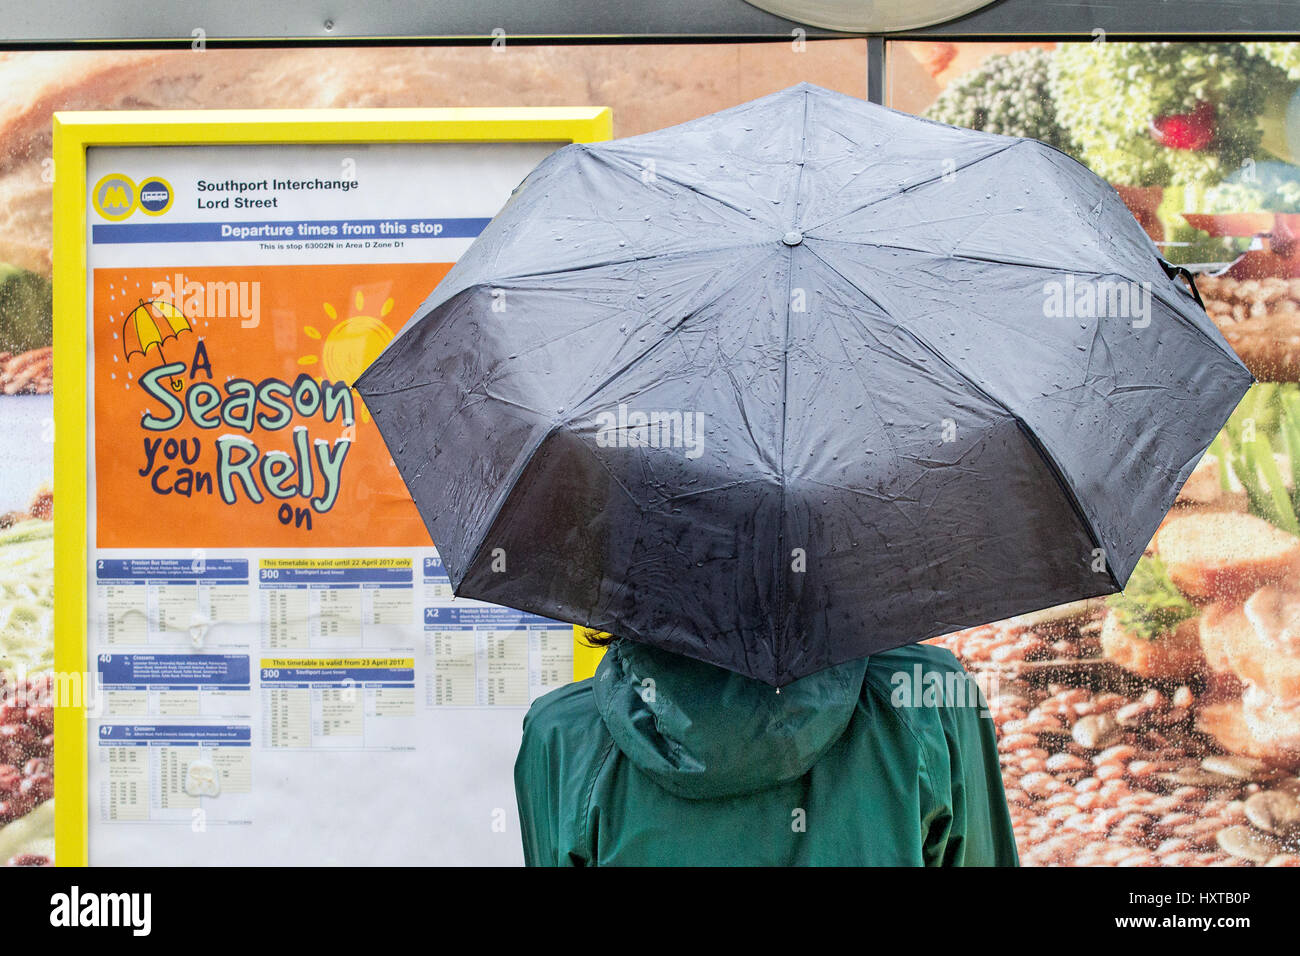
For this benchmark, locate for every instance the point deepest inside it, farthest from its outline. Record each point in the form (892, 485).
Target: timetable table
(335, 603)
(171, 773)
(171, 685)
(488, 656)
(148, 601)
(338, 703)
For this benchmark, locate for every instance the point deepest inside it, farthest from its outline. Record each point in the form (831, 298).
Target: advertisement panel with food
(1161, 726)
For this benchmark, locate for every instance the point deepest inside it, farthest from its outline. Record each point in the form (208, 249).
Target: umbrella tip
(792, 238)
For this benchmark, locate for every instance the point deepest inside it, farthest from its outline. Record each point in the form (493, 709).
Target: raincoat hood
(702, 732)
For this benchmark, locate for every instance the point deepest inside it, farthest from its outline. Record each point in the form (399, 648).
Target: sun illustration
(351, 344)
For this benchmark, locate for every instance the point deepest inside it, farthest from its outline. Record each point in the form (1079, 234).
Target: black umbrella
(799, 381)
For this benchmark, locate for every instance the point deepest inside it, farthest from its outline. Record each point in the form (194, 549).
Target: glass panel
(1157, 727)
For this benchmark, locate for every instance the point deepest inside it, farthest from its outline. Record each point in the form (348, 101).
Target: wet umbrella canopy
(800, 381)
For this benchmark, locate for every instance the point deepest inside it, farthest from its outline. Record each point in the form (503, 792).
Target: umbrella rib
(1156, 293)
(1031, 436)
(658, 343)
(451, 293)
(740, 406)
(803, 155)
(911, 186)
(893, 448)
(588, 266)
(967, 257)
(610, 157)
(782, 608)
(508, 489)
(964, 256)
(696, 492)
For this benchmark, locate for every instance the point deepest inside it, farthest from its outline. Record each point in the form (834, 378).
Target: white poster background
(449, 799)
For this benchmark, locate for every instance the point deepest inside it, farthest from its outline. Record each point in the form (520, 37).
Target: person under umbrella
(935, 377)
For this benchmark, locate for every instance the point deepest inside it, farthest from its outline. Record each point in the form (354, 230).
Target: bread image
(1226, 723)
(1203, 491)
(1212, 637)
(1221, 556)
(1271, 720)
(1255, 640)
(1174, 655)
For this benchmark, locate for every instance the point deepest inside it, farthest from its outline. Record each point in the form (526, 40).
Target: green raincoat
(663, 760)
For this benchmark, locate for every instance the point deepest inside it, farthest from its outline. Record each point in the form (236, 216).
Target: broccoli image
(1285, 56)
(1007, 94)
(1265, 187)
(1163, 114)
(26, 310)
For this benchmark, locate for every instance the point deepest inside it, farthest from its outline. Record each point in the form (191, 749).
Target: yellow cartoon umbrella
(149, 325)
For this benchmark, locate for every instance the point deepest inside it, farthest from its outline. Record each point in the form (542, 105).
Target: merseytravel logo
(116, 196)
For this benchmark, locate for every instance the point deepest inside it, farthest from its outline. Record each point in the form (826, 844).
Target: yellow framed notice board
(258, 657)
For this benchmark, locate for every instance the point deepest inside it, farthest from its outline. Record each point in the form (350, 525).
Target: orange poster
(224, 412)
